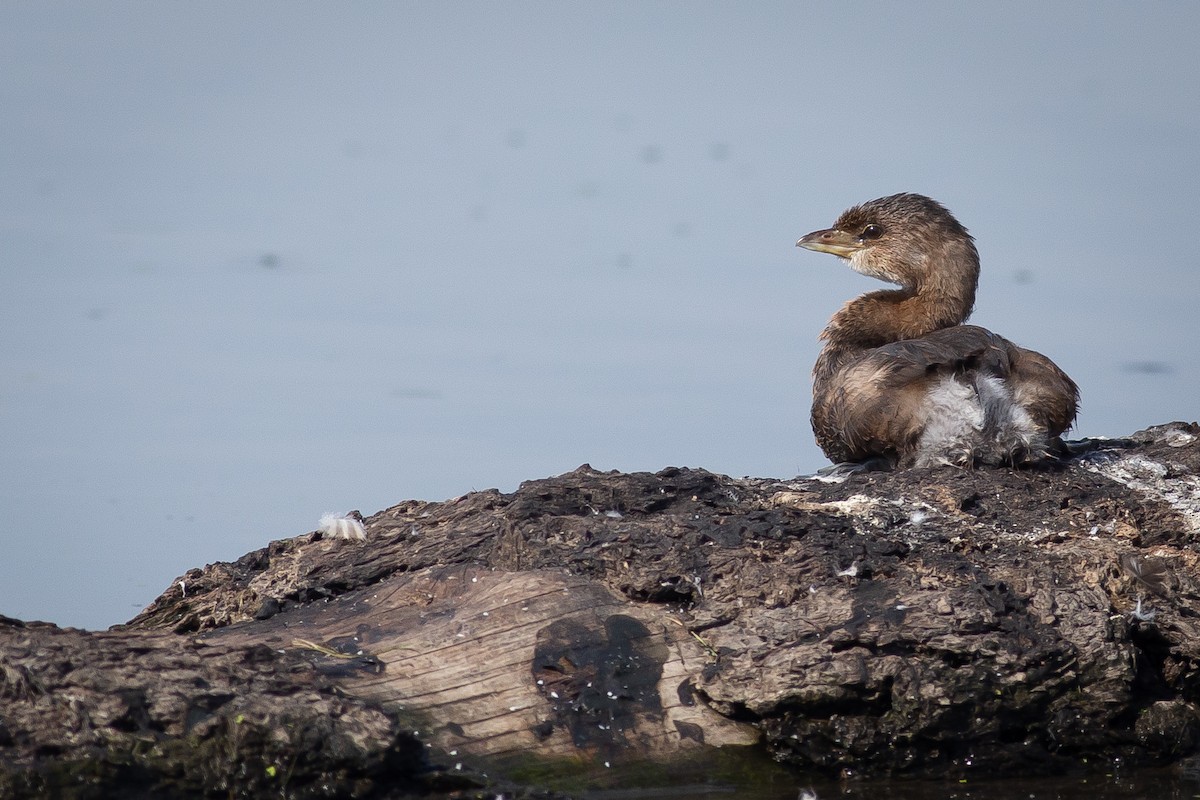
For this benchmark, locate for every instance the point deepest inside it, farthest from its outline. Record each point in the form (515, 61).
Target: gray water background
(260, 261)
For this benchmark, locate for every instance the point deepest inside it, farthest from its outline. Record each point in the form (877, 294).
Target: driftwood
(607, 629)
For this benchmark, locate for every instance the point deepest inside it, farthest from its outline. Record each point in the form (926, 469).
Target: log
(601, 629)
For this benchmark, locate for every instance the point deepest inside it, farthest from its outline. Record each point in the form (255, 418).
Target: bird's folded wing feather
(950, 350)
(1039, 386)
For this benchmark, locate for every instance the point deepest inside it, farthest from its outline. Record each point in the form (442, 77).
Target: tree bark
(609, 629)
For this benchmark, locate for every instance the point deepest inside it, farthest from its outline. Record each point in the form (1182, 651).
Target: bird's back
(959, 395)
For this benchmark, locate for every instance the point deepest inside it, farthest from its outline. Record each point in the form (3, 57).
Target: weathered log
(600, 628)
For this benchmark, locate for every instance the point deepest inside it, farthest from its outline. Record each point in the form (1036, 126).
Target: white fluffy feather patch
(984, 422)
(342, 527)
(953, 420)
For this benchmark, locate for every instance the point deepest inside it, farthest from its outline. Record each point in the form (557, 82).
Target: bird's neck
(882, 317)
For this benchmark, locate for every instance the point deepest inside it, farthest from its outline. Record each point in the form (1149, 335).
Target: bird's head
(906, 239)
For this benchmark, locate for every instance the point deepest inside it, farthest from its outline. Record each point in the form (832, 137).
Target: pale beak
(833, 241)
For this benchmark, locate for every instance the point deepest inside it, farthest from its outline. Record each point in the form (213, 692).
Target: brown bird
(901, 381)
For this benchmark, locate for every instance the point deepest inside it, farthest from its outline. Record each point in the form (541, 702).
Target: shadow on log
(600, 629)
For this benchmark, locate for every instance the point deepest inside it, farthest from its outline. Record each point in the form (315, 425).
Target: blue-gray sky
(262, 261)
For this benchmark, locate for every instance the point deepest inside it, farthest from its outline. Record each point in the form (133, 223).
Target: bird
(901, 381)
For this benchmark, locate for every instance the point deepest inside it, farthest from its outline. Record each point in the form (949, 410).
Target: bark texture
(606, 629)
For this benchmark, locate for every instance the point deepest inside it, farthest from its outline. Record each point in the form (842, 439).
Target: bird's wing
(946, 351)
(873, 405)
(1045, 392)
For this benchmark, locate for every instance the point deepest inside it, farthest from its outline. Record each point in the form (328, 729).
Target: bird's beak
(833, 241)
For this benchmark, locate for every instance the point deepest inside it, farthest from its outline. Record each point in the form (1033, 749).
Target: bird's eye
(872, 231)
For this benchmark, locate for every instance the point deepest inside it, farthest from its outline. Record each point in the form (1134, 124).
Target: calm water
(1151, 785)
(262, 262)
(1148, 784)
(259, 262)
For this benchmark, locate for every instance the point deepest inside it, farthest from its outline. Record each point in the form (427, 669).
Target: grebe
(901, 382)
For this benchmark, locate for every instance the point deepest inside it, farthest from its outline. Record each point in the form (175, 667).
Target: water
(259, 262)
(262, 262)
(1137, 785)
